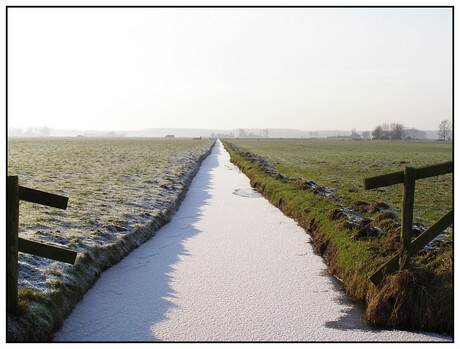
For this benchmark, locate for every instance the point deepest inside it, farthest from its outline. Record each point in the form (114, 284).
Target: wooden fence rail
(408, 247)
(14, 193)
(398, 177)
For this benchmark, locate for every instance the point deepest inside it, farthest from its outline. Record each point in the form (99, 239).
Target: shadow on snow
(135, 294)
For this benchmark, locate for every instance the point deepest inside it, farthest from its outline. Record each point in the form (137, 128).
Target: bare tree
(444, 130)
(378, 132)
(354, 134)
(366, 134)
(386, 131)
(415, 134)
(397, 131)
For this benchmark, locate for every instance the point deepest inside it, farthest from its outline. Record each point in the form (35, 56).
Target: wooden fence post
(14, 243)
(12, 227)
(408, 248)
(407, 216)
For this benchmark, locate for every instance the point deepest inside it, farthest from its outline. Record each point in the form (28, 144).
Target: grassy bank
(354, 235)
(151, 176)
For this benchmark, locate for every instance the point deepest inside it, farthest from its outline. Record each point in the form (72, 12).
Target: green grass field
(343, 165)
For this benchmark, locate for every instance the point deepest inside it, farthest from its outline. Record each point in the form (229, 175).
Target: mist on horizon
(313, 69)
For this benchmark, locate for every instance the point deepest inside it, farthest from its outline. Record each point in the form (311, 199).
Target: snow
(227, 268)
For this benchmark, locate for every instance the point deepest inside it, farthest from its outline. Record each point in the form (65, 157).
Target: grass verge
(355, 241)
(39, 315)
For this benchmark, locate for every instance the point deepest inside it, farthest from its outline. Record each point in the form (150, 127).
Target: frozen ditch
(228, 267)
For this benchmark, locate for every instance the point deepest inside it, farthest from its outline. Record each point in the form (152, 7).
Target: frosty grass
(114, 186)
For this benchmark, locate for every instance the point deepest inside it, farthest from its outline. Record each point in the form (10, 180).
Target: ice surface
(226, 268)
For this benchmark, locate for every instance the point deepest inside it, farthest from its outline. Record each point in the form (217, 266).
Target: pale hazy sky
(304, 68)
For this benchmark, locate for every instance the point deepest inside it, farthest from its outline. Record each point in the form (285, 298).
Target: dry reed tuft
(407, 301)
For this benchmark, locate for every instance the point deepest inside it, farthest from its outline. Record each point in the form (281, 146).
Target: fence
(409, 248)
(14, 193)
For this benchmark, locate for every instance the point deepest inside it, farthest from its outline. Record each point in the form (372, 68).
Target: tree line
(397, 131)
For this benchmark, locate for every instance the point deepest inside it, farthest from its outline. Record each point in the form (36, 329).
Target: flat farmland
(342, 165)
(114, 187)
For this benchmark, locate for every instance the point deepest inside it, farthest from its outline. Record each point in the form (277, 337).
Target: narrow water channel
(228, 267)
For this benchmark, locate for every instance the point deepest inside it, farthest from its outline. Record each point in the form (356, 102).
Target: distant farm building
(170, 136)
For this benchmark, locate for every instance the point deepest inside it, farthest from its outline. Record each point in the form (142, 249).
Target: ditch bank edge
(405, 300)
(39, 315)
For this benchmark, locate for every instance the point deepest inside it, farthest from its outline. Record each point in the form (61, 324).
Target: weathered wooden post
(12, 225)
(407, 216)
(15, 192)
(408, 247)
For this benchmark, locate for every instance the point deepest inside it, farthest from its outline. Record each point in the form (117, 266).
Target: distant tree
(14, 132)
(366, 134)
(420, 134)
(37, 132)
(386, 131)
(378, 132)
(397, 131)
(355, 135)
(413, 133)
(44, 131)
(444, 130)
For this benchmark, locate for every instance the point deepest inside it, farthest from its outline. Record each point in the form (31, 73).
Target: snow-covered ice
(229, 268)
